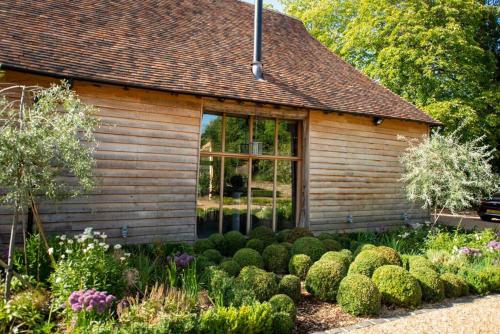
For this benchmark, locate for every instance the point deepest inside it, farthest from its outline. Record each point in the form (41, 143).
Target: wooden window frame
(250, 157)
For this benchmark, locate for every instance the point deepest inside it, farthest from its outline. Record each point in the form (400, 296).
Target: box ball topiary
(248, 257)
(390, 254)
(265, 234)
(231, 267)
(397, 286)
(299, 265)
(234, 241)
(282, 323)
(283, 303)
(348, 254)
(454, 285)
(276, 258)
(217, 239)
(297, 233)
(213, 255)
(310, 246)
(202, 263)
(290, 286)
(287, 245)
(363, 247)
(202, 245)
(366, 262)
(430, 282)
(262, 283)
(482, 280)
(358, 295)
(281, 235)
(339, 256)
(325, 236)
(419, 261)
(331, 245)
(323, 279)
(256, 244)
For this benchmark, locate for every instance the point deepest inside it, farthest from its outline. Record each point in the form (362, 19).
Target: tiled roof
(201, 47)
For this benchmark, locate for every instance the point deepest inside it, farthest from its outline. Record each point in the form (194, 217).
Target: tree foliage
(443, 172)
(441, 55)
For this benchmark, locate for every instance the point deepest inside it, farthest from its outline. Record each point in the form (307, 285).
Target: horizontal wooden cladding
(147, 156)
(354, 171)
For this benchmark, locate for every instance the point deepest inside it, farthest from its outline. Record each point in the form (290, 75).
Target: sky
(275, 4)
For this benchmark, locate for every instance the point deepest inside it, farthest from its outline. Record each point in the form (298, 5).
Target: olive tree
(46, 150)
(442, 172)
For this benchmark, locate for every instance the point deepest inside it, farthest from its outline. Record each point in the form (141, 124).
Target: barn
(191, 142)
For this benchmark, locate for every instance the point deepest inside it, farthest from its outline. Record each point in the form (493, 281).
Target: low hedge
(310, 246)
(323, 279)
(283, 303)
(358, 295)
(430, 282)
(261, 282)
(290, 286)
(265, 234)
(297, 233)
(231, 267)
(390, 254)
(299, 265)
(249, 257)
(482, 280)
(454, 285)
(324, 236)
(397, 286)
(276, 258)
(217, 239)
(234, 241)
(366, 262)
(256, 244)
(202, 245)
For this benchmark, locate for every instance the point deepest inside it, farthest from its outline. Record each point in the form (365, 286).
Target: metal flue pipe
(257, 42)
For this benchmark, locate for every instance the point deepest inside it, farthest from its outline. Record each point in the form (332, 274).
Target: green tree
(46, 149)
(441, 55)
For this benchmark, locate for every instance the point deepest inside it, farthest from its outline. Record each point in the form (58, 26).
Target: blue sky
(275, 3)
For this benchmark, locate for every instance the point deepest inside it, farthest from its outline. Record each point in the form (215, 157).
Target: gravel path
(481, 315)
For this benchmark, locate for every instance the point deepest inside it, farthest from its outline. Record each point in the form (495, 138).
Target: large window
(249, 173)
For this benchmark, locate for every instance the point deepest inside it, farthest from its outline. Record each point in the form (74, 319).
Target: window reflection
(208, 196)
(235, 194)
(286, 194)
(211, 133)
(262, 193)
(288, 135)
(263, 136)
(237, 133)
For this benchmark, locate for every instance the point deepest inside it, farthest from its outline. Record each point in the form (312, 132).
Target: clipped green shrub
(430, 282)
(217, 239)
(299, 265)
(397, 286)
(454, 285)
(202, 245)
(310, 246)
(281, 235)
(363, 247)
(348, 254)
(482, 280)
(290, 286)
(323, 279)
(287, 245)
(202, 263)
(262, 283)
(248, 257)
(419, 261)
(390, 254)
(338, 256)
(358, 295)
(276, 258)
(231, 267)
(331, 245)
(265, 234)
(283, 303)
(234, 241)
(256, 244)
(213, 255)
(297, 233)
(282, 323)
(366, 262)
(325, 236)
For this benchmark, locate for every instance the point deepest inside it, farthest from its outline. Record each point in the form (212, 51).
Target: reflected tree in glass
(235, 194)
(237, 134)
(263, 136)
(262, 193)
(208, 202)
(286, 194)
(288, 134)
(211, 133)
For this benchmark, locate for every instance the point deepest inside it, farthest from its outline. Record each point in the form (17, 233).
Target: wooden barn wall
(146, 170)
(354, 170)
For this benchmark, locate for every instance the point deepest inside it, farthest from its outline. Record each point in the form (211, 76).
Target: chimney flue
(257, 42)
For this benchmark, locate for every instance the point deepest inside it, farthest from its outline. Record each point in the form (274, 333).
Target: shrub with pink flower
(469, 251)
(181, 260)
(91, 300)
(493, 245)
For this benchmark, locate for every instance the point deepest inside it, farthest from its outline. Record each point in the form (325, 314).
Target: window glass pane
(208, 196)
(211, 133)
(237, 133)
(288, 137)
(263, 136)
(262, 193)
(235, 194)
(286, 194)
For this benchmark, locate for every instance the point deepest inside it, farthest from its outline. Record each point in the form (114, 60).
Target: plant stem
(8, 277)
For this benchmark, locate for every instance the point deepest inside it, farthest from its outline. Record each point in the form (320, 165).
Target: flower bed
(228, 284)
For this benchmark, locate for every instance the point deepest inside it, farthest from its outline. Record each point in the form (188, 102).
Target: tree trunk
(13, 231)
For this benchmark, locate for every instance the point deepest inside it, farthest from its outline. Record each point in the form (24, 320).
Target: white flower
(118, 246)
(58, 280)
(122, 259)
(61, 243)
(51, 251)
(104, 236)
(70, 241)
(96, 233)
(106, 247)
(63, 237)
(63, 256)
(127, 254)
(102, 244)
(69, 251)
(88, 230)
(90, 246)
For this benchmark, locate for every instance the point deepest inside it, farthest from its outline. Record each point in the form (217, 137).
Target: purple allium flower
(90, 300)
(494, 245)
(180, 260)
(469, 251)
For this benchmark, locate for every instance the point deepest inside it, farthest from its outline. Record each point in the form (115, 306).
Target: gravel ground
(481, 315)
